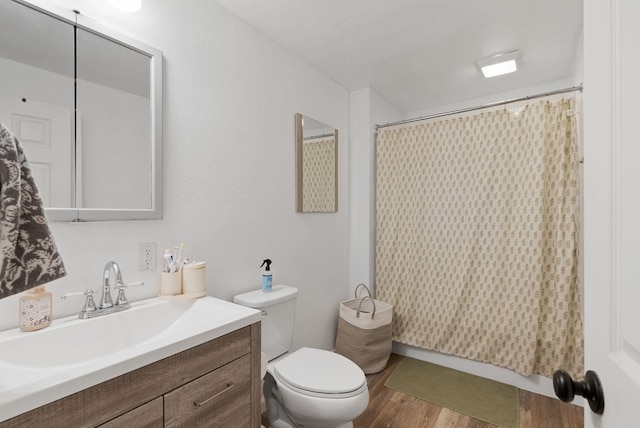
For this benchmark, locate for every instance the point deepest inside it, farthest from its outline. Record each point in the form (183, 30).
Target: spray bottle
(266, 276)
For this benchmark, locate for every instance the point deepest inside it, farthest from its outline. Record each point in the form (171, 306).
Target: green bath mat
(489, 401)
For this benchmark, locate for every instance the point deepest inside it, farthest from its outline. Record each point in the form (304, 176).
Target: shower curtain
(478, 236)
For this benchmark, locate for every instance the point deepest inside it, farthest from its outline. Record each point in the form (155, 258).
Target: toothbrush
(173, 267)
(179, 260)
(167, 260)
(174, 258)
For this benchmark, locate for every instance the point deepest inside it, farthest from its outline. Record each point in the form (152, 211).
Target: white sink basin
(73, 354)
(70, 342)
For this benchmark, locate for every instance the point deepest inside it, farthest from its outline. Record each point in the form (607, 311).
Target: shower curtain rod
(497, 103)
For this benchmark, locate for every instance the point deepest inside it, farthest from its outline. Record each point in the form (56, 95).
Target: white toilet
(309, 387)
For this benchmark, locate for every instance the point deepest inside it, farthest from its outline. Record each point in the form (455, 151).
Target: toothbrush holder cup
(170, 283)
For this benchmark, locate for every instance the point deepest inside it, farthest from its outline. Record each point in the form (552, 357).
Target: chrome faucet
(105, 300)
(106, 306)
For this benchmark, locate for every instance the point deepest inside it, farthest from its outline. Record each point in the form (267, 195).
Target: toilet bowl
(311, 388)
(314, 388)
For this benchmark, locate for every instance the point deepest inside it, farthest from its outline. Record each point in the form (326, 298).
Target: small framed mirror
(316, 166)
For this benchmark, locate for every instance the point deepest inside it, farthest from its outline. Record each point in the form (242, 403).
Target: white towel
(28, 253)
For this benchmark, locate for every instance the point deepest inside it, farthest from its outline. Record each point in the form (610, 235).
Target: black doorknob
(590, 388)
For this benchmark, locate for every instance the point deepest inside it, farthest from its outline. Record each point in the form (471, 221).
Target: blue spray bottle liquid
(267, 277)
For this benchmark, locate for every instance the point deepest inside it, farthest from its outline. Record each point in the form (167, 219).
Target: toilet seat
(320, 373)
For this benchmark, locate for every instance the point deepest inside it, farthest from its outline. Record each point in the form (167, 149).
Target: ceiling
(419, 54)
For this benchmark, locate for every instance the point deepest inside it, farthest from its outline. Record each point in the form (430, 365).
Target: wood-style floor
(392, 409)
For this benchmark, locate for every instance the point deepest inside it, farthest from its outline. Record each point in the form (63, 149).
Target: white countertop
(39, 367)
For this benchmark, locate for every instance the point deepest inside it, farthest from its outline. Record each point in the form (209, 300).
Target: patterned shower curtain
(478, 236)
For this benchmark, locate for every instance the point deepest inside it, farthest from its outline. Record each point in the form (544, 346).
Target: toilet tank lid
(260, 299)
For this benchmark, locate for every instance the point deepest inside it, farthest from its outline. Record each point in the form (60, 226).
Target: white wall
(230, 96)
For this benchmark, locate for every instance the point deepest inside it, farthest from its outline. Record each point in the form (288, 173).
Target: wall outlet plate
(147, 255)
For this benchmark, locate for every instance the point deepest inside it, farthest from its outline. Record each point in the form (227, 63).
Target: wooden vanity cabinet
(216, 384)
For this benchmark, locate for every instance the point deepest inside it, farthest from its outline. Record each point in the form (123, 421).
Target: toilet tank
(278, 317)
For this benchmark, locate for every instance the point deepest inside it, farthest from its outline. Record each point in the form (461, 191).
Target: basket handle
(373, 314)
(365, 287)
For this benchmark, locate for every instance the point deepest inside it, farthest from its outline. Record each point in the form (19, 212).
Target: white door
(44, 131)
(612, 207)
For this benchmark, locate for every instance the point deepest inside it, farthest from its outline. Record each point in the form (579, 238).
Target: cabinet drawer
(149, 415)
(220, 398)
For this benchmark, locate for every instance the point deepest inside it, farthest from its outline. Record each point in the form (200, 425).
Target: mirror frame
(155, 57)
(299, 140)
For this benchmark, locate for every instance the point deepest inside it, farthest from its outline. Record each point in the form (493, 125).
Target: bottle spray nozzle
(268, 263)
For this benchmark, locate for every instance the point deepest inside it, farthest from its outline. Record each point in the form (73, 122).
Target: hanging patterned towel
(28, 253)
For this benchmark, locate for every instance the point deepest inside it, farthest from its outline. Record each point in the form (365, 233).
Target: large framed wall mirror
(86, 104)
(316, 166)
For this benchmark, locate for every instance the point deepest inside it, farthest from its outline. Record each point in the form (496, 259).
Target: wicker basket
(364, 332)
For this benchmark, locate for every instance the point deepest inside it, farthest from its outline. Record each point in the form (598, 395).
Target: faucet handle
(122, 299)
(132, 284)
(89, 304)
(74, 294)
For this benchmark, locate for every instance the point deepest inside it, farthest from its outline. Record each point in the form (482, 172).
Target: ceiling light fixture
(126, 5)
(500, 64)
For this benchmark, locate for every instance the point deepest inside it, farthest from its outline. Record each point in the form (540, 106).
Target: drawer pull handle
(213, 397)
